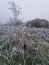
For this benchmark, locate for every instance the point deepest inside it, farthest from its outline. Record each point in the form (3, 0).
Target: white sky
(31, 9)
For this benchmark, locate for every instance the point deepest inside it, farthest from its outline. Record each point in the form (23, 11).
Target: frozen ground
(27, 36)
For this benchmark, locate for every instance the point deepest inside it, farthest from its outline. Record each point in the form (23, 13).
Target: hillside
(24, 46)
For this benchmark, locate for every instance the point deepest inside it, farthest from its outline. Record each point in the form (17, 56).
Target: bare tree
(15, 10)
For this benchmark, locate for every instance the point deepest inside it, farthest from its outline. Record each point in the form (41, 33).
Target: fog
(31, 9)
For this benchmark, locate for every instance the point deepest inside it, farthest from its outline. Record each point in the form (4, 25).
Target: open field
(24, 45)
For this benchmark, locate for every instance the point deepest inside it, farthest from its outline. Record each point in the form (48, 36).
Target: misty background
(31, 9)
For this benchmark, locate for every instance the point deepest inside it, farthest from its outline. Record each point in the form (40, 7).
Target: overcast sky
(31, 9)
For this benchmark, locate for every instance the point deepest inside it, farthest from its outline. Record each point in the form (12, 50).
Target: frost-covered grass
(24, 46)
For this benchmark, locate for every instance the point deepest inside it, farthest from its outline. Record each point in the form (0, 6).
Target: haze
(31, 9)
